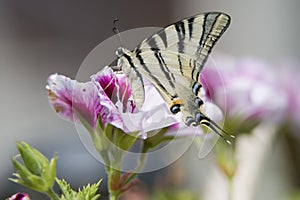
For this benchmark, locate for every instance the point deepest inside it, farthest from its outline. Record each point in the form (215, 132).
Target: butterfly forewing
(194, 36)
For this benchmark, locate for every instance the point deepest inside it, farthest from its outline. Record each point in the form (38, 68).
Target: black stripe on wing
(153, 78)
(214, 26)
(190, 24)
(164, 68)
(179, 27)
(194, 36)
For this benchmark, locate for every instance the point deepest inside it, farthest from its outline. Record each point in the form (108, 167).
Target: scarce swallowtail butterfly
(172, 60)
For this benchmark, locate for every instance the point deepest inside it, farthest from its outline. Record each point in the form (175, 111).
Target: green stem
(230, 188)
(138, 169)
(52, 194)
(114, 177)
(113, 196)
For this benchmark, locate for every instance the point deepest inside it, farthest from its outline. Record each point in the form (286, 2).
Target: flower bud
(19, 196)
(35, 172)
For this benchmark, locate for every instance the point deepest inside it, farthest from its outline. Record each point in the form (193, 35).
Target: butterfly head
(119, 52)
(124, 58)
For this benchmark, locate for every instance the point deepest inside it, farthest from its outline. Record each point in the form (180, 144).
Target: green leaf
(68, 193)
(87, 193)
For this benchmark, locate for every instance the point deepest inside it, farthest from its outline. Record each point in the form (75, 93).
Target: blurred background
(38, 38)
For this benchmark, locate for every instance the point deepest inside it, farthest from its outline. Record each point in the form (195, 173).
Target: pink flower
(288, 77)
(69, 97)
(250, 89)
(108, 96)
(19, 196)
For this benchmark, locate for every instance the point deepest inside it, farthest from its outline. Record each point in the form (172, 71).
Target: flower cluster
(252, 90)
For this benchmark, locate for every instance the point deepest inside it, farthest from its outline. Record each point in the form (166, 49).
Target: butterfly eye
(119, 52)
(175, 108)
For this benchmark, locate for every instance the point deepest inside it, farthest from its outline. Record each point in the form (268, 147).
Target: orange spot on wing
(176, 102)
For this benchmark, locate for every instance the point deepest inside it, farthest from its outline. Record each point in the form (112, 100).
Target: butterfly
(172, 60)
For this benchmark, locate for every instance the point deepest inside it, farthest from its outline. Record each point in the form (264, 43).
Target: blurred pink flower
(109, 96)
(246, 89)
(289, 78)
(19, 196)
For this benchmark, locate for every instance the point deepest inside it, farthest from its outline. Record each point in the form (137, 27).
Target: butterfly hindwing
(171, 75)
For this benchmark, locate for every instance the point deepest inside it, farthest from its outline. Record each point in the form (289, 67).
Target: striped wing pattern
(172, 60)
(194, 36)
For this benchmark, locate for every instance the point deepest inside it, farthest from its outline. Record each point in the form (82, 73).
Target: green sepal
(33, 182)
(124, 140)
(26, 178)
(99, 137)
(105, 135)
(32, 158)
(22, 171)
(50, 173)
(156, 138)
(38, 184)
(109, 131)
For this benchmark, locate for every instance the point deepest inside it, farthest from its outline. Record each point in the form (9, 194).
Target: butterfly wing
(171, 75)
(172, 60)
(194, 36)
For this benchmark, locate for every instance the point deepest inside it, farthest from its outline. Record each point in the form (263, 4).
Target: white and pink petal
(70, 98)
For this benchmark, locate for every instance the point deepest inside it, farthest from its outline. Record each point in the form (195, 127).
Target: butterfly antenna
(117, 32)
